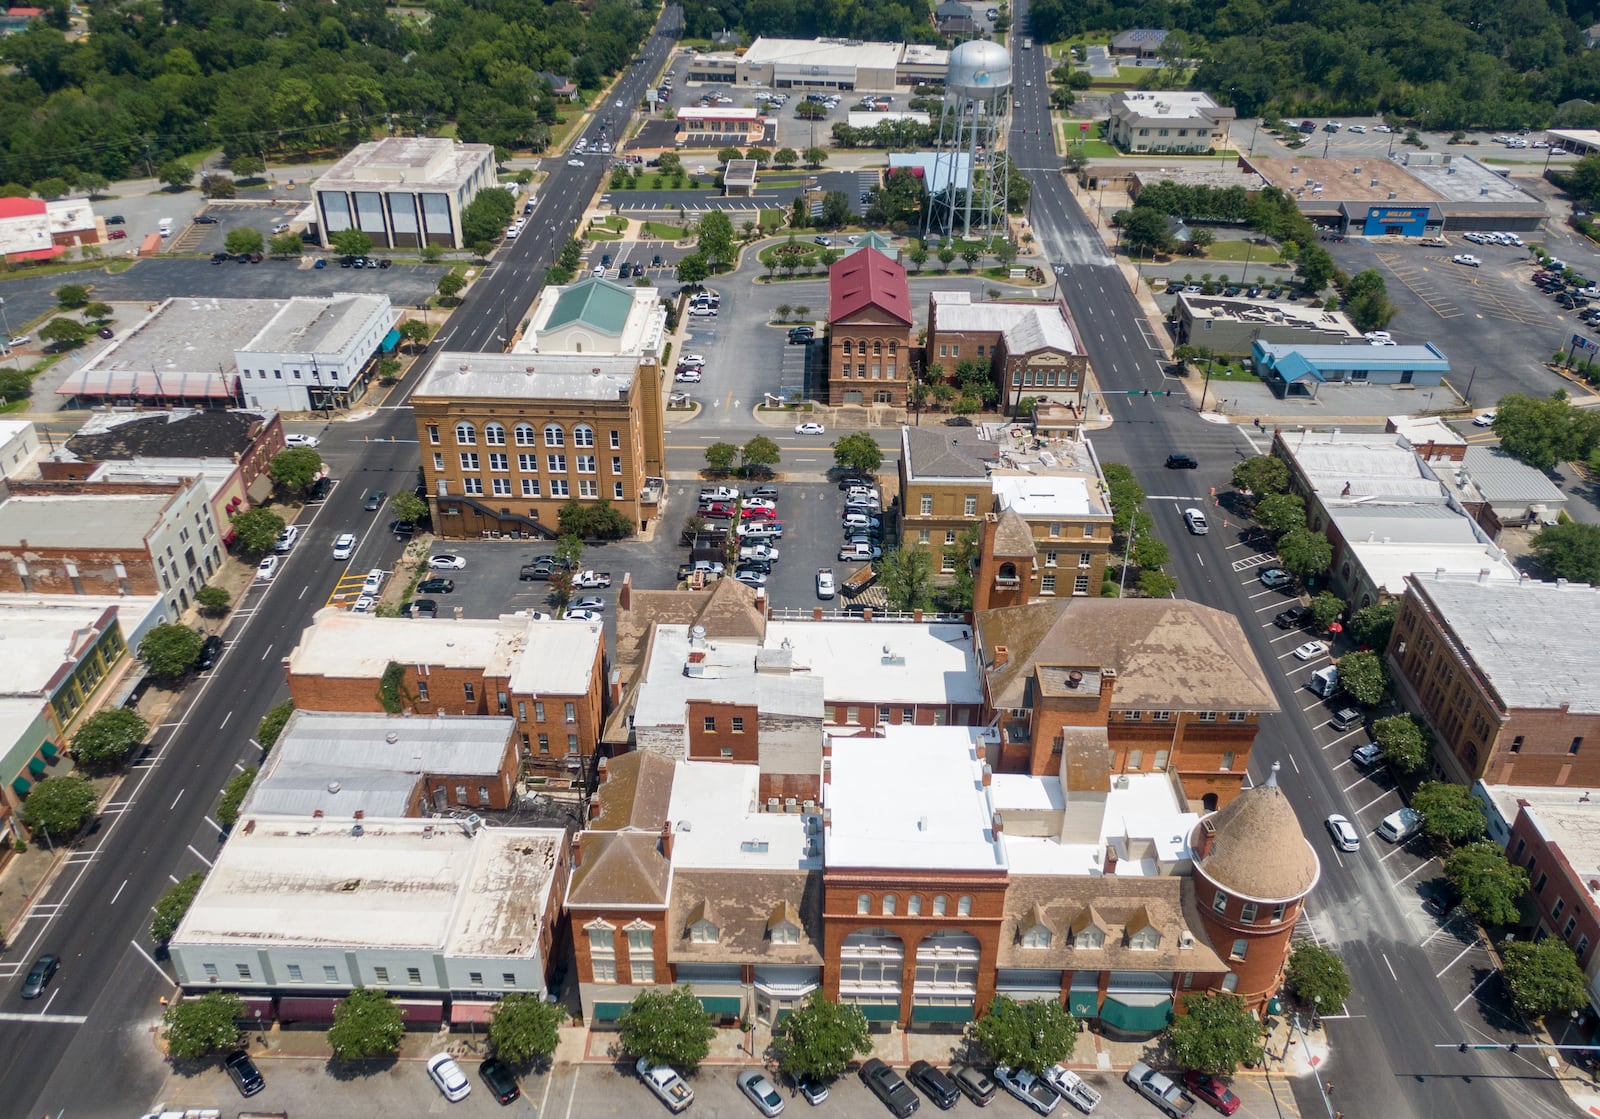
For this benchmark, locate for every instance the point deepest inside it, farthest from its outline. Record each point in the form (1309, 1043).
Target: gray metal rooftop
(599, 377)
(187, 335)
(316, 324)
(106, 521)
(1459, 178)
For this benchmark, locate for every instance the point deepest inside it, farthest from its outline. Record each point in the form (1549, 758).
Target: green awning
(49, 749)
(1084, 1004)
(722, 1004)
(609, 1011)
(1136, 1014)
(783, 1012)
(942, 1012)
(1274, 1006)
(22, 785)
(36, 766)
(879, 1011)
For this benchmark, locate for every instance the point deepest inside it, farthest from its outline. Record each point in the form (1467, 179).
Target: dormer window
(1089, 937)
(1036, 937)
(1146, 939)
(785, 933)
(704, 932)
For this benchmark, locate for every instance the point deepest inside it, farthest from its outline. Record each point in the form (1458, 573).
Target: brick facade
(1266, 936)
(1560, 898)
(723, 731)
(1044, 373)
(869, 331)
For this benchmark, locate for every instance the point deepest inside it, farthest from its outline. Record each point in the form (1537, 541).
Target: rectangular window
(414, 976)
(883, 714)
(947, 562)
(586, 464)
(1278, 911)
(528, 463)
(1226, 765)
(949, 537)
(1576, 744)
(738, 724)
(1161, 760)
(616, 464)
(1055, 528)
(1047, 583)
(469, 460)
(499, 460)
(1207, 716)
(926, 505)
(469, 691)
(570, 712)
(558, 487)
(433, 434)
(922, 536)
(544, 744)
(1247, 913)
(475, 978)
(538, 710)
(530, 487)
(211, 972)
(1136, 760)
(709, 724)
(1050, 559)
(1132, 716)
(970, 505)
(1566, 930)
(244, 970)
(557, 463)
(852, 715)
(1555, 911)
(508, 979)
(422, 690)
(297, 976)
(438, 460)
(617, 491)
(483, 794)
(616, 439)
(472, 486)
(1085, 559)
(605, 969)
(1080, 584)
(500, 486)
(1219, 904)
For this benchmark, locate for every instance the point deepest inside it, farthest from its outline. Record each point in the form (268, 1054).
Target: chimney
(997, 824)
(916, 615)
(1483, 575)
(625, 595)
(577, 850)
(866, 615)
(615, 678)
(602, 771)
(697, 656)
(988, 774)
(666, 840)
(1111, 859)
(816, 613)
(317, 814)
(761, 601)
(361, 814)
(1002, 656)
(1108, 684)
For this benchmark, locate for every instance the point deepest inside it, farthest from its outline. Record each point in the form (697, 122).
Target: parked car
(1275, 578)
(448, 1077)
(808, 429)
(1346, 717)
(1367, 755)
(1032, 1090)
(1345, 836)
(1292, 618)
(666, 1084)
(1196, 520)
(293, 440)
(582, 616)
(883, 1082)
(825, 587)
(1209, 1088)
(766, 493)
(934, 1084)
(267, 568)
(1311, 650)
(435, 586)
(1484, 419)
(447, 562)
(814, 1091)
(974, 1084)
(759, 1089)
(499, 1080)
(210, 651)
(1466, 258)
(40, 974)
(244, 1074)
(1160, 1090)
(1071, 1087)
(589, 602)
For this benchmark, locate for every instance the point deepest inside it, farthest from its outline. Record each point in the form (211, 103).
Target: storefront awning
(22, 785)
(49, 749)
(942, 1012)
(36, 766)
(722, 1004)
(421, 1011)
(1084, 1004)
(469, 1011)
(390, 341)
(190, 385)
(879, 1012)
(1136, 1013)
(609, 1011)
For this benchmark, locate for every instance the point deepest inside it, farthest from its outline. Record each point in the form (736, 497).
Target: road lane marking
(51, 1019)
(1390, 966)
(176, 799)
(118, 894)
(225, 719)
(147, 958)
(198, 855)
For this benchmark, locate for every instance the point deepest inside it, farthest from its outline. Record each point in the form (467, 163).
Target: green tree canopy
(720, 456)
(1144, 231)
(213, 601)
(1371, 625)
(272, 724)
(408, 506)
(821, 1038)
(1304, 553)
(195, 1028)
(1326, 608)
(759, 454)
(715, 235)
(525, 1028)
(1031, 1035)
(175, 173)
(694, 268)
(1364, 678)
(169, 650)
(593, 520)
(1404, 744)
(1543, 977)
(172, 905)
(295, 468)
(1216, 1033)
(106, 738)
(64, 333)
(366, 1023)
(233, 794)
(286, 245)
(1543, 432)
(1487, 882)
(906, 576)
(858, 452)
(257, 530)
(667, 1028)
(350, 242)
(487, 215)
(69, 297)
(1449, 813)
(97, 312)
(60, 805)
(1570, 551)
(1279, 513)
(244, 240)
(247, 166)
(1317, 977)
(450, 284)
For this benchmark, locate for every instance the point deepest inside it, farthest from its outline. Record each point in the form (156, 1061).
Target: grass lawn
(783, 180)
(659, 231)
(774, 217)
(601, 235)
(1227, 371)
(1239, 250)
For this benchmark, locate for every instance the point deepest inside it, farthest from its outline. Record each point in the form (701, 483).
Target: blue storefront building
(1391, 219)
(1301, 369)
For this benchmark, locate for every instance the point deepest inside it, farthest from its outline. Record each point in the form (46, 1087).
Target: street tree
(1126, 495)
(218, 186)
(244, 241)
(1403, 742)
(58, 805)
(720, 457)
(233, 794)
(173, 904)
(1450, 815)
(1371, 625)
(256, 530)
(1304, 553)
(272, 723)
(1326, 608)
(247, 166)
(97, 312)
(1216, 1033)
(816, 157)
(408, 507)
(64, 333)
(716, 237)
(1544, 977)
(857, 452)
(415, 332)
(759, 455)
(1031, 1035)
(694, 268)
(295, 468)
(836, 210)
(450, 284)
(213, 601)
(946, 255)
(592, 520)
(525, 1028)
(667, 1028)
(1488, 883)
(350, 242)
(108, 737)
(169, 650)
(1145, 232)
(1570, 551)
(1148, 552)
(487, 215)
(906, 576)
(1364, 678)
(1280, 513)
(69, 297)
(366, 1023)
(1315, 266)
(820, 1039)
(1543, 432)
(175, 174)
(195, 1028)
(785, 158)
(1317, 977)
(285, 245)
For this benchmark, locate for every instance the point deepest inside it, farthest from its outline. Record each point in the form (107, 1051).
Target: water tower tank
(978, 68)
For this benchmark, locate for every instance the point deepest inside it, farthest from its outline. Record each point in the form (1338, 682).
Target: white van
(1325, 681)
(1397, 827)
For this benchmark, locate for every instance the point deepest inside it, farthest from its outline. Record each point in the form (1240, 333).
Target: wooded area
(152, 81)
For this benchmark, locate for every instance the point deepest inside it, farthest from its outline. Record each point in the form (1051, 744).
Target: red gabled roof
(867, 278)
(20, 207)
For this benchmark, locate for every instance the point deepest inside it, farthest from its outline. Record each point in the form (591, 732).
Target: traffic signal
(1514, 1047)
(1462, 1048)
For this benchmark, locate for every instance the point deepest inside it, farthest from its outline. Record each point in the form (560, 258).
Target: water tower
(967, 198)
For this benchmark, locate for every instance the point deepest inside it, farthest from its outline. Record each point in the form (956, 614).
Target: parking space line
(1419, 868)
(1373, 801)
(1475, 988)
(1391, 854)
(1353, 784)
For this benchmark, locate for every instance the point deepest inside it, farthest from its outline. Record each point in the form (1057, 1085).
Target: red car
(1212, 1090)
(716, 509)
(116, 234)
(759, 515)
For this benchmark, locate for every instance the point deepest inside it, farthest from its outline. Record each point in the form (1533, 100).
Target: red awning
(478, 1012)
(300, 1009)
(228, 534)
(253, 1003)
(38, 254)
(421, 1010)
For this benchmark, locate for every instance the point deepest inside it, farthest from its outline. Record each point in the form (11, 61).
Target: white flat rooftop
(1030, 496)
(717, 822)
(726, 673)
(516, 376)
(912, 799)
(299, 880)
(883, 662)
(1143, 819)
(1371, 465)
(82, 520)
(41, 637)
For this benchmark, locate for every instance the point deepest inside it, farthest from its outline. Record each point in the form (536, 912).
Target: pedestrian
(1258, 423)
(1328, 1088)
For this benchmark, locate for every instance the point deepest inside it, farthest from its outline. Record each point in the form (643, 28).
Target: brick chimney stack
(666, 840)
(1002, 655)
(577, 850)
(1111, 859)
(625, 594)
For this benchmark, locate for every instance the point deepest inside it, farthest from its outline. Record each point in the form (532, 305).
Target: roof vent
(922, 823)
(685, 825)
(392, 737)
(1074, 678)
(357, 831)
(333, 786)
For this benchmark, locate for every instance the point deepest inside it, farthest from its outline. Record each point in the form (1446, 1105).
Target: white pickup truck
(666, 1084)
(591, 579)
(1070, 1087)
(1160, 1090)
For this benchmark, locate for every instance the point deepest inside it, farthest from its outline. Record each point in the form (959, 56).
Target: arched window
(888, 905)
(864, 903)
(893, 347)
(914, 905)
(466, 435)
(583, 436)
(964, 906)
(554, 436)
(523, 435)
(938, 905)
(848, 347)
(877, 347)
(1231, 983)
(494, 435)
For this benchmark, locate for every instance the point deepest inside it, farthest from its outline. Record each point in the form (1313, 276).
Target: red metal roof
(37, 254)
(20, 207)
(864, 279)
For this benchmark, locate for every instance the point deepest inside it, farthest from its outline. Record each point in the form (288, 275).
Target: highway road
(85, 1049)
(1383, 1056)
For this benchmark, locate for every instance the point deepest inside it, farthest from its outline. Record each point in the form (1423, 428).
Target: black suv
(886, 1084)
(244, 1073)
(934, 1084)
(1182, 462)
(499, 1080)
(1292, 618)
(210, 650)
